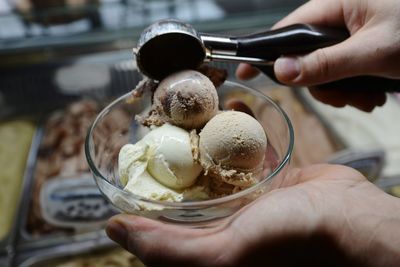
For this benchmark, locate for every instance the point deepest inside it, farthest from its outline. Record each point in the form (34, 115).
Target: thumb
(159, 244)
(346, 59)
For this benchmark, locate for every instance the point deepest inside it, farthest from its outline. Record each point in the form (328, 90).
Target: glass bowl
(102, 155)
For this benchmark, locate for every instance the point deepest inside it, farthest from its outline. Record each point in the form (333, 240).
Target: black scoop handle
(304, 38)
(293, 39)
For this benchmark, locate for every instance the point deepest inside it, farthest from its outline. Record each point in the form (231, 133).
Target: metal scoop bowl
(170, 45)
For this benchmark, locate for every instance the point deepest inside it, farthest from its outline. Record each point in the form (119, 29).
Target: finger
(160, 244)
(245, 71)
(324, 12)
(357, 99)
(332, 97)
(367, 101)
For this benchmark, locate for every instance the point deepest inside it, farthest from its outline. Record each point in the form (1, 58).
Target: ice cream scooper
(171, 45)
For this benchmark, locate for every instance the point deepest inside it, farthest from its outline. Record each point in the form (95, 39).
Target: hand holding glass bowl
(102, 156)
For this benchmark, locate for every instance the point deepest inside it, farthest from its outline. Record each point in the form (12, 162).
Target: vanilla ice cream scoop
(165, 153)
(232, 147)
(187, 99)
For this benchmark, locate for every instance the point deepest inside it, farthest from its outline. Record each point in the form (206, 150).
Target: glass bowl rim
(193, 204)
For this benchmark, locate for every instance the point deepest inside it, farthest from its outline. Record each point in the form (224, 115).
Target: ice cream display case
(365, 135)
(18, 143)
(333, 143)
(62, 203)
(102, 252)
(4, 260)
(54, 199)
(63, 200)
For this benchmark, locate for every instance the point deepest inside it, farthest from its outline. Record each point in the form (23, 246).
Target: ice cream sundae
(194, 150)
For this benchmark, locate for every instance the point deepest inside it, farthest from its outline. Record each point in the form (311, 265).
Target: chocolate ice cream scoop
(232, 147)
(187, 99)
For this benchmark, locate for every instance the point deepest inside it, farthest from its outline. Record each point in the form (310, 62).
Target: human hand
(325, 215)
(373, 49)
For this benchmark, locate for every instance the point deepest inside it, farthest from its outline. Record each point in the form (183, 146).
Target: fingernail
(117, 232)
(287, 68)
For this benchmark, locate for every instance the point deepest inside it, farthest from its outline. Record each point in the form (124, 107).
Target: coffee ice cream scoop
(187, 99)
(232, 147)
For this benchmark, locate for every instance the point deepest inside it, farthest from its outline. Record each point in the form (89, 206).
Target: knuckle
(323, 66)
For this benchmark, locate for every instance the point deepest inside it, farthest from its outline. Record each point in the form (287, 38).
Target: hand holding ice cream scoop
(169, 45)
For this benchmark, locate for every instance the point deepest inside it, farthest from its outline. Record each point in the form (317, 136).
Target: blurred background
(61, 61)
